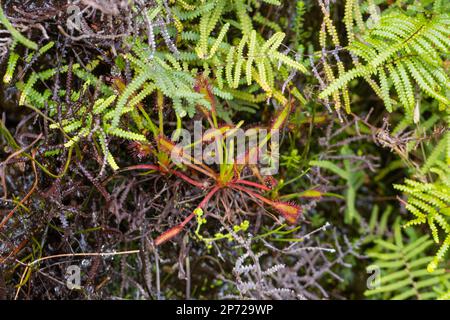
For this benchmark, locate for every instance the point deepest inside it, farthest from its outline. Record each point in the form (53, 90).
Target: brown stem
(10, 214)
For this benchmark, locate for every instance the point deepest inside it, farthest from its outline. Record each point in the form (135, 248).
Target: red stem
(251, 193)
(174, 172)
(253, 184)
(187, 179)
(201, 205)
(172, 232)
(208, 196)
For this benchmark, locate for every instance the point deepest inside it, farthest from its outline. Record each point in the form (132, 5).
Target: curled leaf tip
(290, 211)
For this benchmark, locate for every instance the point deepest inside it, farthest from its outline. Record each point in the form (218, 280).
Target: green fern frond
(11, 66)
(16, 34)
(244, 19)
(402, 266)
(442, 148)
(128, 135)
(131, 89)
(218, 41)
(428, 202)
(410, 48)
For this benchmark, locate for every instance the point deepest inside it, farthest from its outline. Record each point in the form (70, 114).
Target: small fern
(90, 119)
(252, 60)
(430, 204)
(258, 65)
(403, 273)
(401, 51)
(156, 72)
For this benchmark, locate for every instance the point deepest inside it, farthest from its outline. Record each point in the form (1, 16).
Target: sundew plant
(225, 149)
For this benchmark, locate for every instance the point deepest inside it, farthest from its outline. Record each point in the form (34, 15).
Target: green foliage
(403, 269)
(298, 26)
(354, 180)
(172, 74)
(246, 61)
(156, 72)
(378, 226)
(90, 119)
(403, 52)
(259, 64)
(12, 63)
(440, 152)
(430, 203)
(16, 34)
(228, 62)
